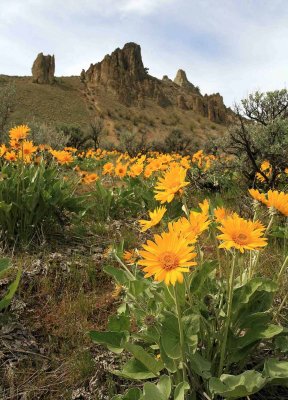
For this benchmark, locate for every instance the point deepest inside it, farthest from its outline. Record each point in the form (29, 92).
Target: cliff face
(123, 76)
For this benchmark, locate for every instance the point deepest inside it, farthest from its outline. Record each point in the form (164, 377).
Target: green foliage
(177, 141)
(121, 202)
(156, 346)
(34, 198)
(8, 296)
(260, 134)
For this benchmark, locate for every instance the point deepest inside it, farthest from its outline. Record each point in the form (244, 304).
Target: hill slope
(120, 91)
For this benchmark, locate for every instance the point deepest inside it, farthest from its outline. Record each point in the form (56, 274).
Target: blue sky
(227, 46)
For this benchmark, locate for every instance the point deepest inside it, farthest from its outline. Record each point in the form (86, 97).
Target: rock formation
(43, 69)
(181, 80)
(122, 75)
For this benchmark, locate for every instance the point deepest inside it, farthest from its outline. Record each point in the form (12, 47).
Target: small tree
(97, 130)
(76, 136)
(261, 134)
(177, 141)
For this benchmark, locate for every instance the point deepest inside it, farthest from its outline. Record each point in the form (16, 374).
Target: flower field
(186, 291)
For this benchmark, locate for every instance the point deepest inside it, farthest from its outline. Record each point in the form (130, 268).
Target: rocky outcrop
(123, 75)
(43, 69)
(181, 80)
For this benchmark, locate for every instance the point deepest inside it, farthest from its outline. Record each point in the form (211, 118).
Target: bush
(259, 136)
(34, 198)
(177, 141)
(42, 133)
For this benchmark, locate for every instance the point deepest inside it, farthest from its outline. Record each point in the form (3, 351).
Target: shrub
(42, 133)
(34, 198)
(259, 136)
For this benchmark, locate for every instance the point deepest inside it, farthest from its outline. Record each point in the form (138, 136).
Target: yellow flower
(130, 257)
(108, 168)
(221, 213)
(63, 157)
(257, 195)
(241, 234)
(192, 228)
(10, 156)
(135, 170)
(120, 170)
(26, 150)
(19, 132)
(278, 201)
(90, 178)
(167, 257)
(170, 184)
(3, 149)
(155, 218)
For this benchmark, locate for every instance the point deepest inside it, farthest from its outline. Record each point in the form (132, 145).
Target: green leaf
(260, 332)
(151, 392)
(4, 265)
(281, 343)
(200, 365)
(119, 323)
(131, 394)
(134, 369)
(191, 325)
(235, 386)
(200, 275)
(170, 336)
(145, 358)
(118, 274)
(113, 340)
(164, 386)
(6, 300)
(276, 371)
(180, 390)
(169, 363)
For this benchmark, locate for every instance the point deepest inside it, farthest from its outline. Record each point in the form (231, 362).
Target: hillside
(120, 91)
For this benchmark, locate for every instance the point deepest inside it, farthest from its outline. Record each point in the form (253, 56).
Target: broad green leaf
(134, 369)
(236, 386)
(281, 343)
(200, 365)
(164, 386)
(119, 323)
(169, 363)
(180, 390)
(200, 275)
(118, 274)
(260, 332)
(6, 300)
(170, 337)
(113, 340)
(191, 327)
(145, 358)
(151, 392)
(131, 394)
(243, 294)
(276, 371)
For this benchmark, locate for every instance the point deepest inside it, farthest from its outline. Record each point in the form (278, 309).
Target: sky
(229, 46)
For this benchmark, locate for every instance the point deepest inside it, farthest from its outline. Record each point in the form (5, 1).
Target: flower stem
(228, 317)
(282, 269)
(181, 333)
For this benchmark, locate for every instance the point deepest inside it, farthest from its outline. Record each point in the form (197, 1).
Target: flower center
(241, 238)
(169, 260)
